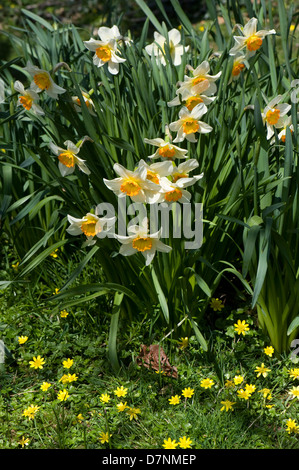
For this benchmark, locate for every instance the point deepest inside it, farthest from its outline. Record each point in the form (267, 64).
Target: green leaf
(293, 326)
(112, 347)
(161, 296)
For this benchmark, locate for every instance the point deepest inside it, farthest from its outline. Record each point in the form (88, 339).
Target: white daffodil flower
(155, 172)
(91, 226)
(201, 82)
(190, 100)
(239, 65)
(105, 49)
(68, 158)
(42, 81)
(287, 123)
(176, 50)
(133, 184)
(181, 172)
(189, 124)
(251, 40)
(87, 100)
(140, 241)
(165, 149)
(273, 115)
(28, 99)
(106, 34)
(175, 191)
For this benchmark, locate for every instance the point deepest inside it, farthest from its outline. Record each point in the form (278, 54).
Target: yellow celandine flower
(174, 400)
(45, 386)
(229, 383)
(63, 395)
(37, 362)
(170, 444)
(64, 313)
(121, 391)
(250, 388)
(42, 81)
(295, 392)
(56, 291)
(188, 392)
(184, 343)
(245, 394)
(121, 406)
(292, 426)
(133, 412)
(294, 373)
(185, 442)
(266, 393)
(68, 363)
(14, 265)
(251, 40)
(22, 339)
(104, 437)
(241, 327)
(24, 442)
(80, 417)
(269, 350)
(105, 398)
(227, 405)
(207, 383)
(31, 411)
(216, 304)
(54, 253)
(262, 370)
(238, 379)
(68, 378)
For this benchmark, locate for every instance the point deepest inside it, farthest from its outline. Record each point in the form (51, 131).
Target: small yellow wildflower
(174, 400)
(245, 394)
(37, 362)
(188, 392)
(121, 391)
(22, 339)
(207, 383)
(121, 406)
(266, 392)
(185, 442)
(169, 444)
(56, 291)
(269, 350)
(241, 327)
(262, 370)
(133, 412)
(31, 411)
(80, 417)
(68, 378)
(54, 253)
(294, 373)
(64, 313)
(184, 343)
(15, 265)
(104, 437)
(68, 363)
(292, 426)
(105, 398)
(24, 442)
(294, 391)
(238, 379)
(229, 383)
(216, 304)
(250, 388)
(44, 386)
(227, 405)
(63, 395)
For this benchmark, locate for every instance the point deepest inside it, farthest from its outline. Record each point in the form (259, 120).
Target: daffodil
(87, 100)
(68, 158)
(189, 124)
(176, 49)
(184, 97)
(113, 33)
(273, 115)
(165, 150)
(181, 172)
(239, 64)
(286, 124)
(42, 81)
(140, 241)
(200, 82)
(134, 184)
(28, 99)
(251, 39)
(105, 50)
(91, 226)
(157, 170)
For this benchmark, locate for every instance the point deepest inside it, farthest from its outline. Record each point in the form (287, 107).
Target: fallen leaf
(154, 357)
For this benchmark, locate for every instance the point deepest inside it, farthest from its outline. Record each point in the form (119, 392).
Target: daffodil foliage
(100, 127)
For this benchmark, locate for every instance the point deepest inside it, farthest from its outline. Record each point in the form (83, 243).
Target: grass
(79, 421)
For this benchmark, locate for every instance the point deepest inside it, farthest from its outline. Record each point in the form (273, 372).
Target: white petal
(175, 36)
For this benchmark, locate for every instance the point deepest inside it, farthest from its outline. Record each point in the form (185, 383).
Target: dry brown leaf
(154, 357)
